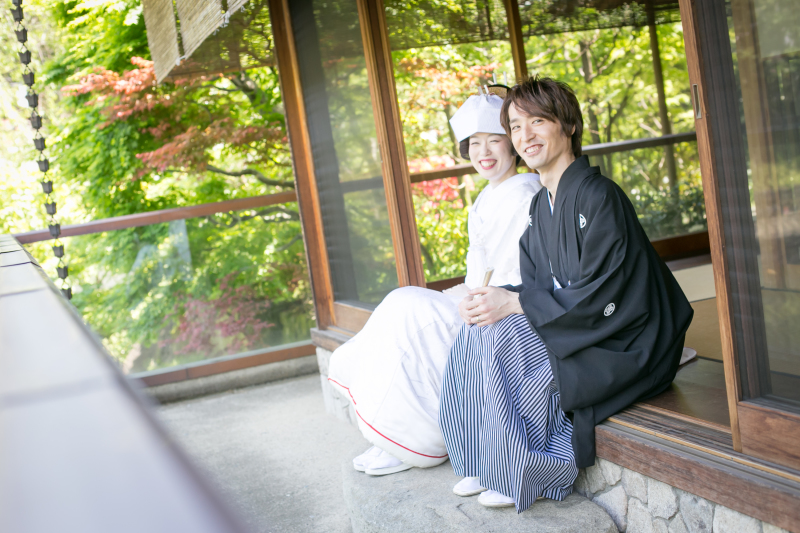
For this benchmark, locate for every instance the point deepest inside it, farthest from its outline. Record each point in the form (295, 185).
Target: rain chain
(38, 142)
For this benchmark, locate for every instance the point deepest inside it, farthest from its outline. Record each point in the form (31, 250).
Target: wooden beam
(158, 217)
(516, 39)
(223, 364)
(770, 432)
(397, 183)
(302, 160)
(681, 246)
(351, 317)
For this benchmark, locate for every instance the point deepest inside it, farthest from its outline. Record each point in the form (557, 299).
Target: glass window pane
(344, 144)
(627, 65)
(188, 290)
(765, 40)
(462, 46)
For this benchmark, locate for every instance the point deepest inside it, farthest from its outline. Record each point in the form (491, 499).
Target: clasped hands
(491, 305)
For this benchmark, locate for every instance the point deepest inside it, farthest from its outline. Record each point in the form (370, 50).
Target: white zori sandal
(491, 498)
(385, 464)
(469, 486)
(361, 462)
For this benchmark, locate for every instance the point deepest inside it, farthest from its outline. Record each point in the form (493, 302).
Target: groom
(595, 292)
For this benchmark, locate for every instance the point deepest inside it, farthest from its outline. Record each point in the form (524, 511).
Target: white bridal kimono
(392, 369)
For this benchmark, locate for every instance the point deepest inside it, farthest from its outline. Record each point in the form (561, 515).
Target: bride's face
(491, 155)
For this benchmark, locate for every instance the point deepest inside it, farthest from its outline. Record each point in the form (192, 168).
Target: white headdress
(479, 114)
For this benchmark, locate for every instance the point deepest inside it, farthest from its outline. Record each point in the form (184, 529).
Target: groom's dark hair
(549, 99)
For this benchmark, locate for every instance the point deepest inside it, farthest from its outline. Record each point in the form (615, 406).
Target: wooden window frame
(761, 427)
(303, 162)
(396, 180)
(350, 316)
(385, 109)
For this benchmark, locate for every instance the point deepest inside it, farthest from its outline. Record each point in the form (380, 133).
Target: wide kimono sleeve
(597, 306)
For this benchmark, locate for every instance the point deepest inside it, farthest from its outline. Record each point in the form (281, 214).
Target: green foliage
(176, 292)
(443, 238)
(612, 73)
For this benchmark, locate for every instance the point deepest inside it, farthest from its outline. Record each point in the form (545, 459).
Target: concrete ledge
(422, 500)
(236, 379)
(335, 403)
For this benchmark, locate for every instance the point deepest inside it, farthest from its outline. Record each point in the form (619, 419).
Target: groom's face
(538, 140)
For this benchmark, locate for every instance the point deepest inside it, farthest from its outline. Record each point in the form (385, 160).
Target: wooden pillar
(396, 179)
(517, 42)
(658, 75)
(303, 163)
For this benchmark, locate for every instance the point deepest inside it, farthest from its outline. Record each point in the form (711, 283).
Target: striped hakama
(500, 413)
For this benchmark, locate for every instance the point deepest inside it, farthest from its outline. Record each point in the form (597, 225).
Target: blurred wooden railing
(178, 213)
(81, 450)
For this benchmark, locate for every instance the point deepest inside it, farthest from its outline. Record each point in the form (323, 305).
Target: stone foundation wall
(636, 503)
(639, 504)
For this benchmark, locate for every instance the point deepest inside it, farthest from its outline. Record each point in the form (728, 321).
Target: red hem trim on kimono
(378, 432)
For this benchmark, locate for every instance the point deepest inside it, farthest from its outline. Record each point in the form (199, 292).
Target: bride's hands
(492, 305)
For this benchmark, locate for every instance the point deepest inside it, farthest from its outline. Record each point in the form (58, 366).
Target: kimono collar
(516, 180)
(565, 192)
(574, 171)
(507, 187)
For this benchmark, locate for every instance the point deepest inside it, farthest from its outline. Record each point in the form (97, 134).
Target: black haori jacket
(614, 333)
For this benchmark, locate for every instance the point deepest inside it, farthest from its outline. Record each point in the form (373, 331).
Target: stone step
(422, 500)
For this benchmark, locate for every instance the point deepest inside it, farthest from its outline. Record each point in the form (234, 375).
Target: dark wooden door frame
(760, 426)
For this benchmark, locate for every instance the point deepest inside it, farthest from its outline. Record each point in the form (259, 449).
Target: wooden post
(658, 75)
(396, 179)
(517, 42)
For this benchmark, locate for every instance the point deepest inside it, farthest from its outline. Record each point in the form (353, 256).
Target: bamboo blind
(162, 36)
(199, 19)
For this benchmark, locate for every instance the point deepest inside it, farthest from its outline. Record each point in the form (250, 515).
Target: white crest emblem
(609, 309)
(582, 220)
(530, 220)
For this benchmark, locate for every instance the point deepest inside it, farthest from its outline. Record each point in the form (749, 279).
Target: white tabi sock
(384, 464)
(361, 462)
(491, 498)
(469, 486)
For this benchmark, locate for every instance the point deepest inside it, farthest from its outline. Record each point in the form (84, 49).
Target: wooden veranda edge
(728, 456)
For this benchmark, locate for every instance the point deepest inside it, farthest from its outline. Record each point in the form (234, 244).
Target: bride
(392, 370)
